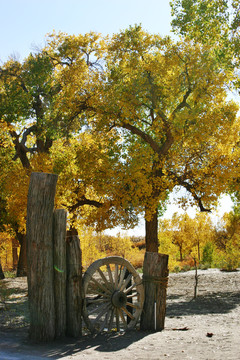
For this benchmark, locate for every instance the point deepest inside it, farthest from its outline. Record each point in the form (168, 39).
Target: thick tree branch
(84, 201)
(181, 180)
(183, 103)
(27, 132)
(197, 198)
(20, 149)
(147, 138)
(160, 150)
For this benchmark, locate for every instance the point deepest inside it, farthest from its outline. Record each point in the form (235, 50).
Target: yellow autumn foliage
(122, 120)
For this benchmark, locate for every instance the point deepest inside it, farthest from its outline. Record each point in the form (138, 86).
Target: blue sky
(24, 23)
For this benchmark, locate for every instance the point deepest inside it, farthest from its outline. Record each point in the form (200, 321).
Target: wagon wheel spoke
(126, 282)
(110, 275)
(96, 301)
(122, 276)
(122, 318)
(116, 276)
(127, 312)
(97, 308)
(113, 295)
(108, 285)
(101, 286)
(104, 324)
(135, 306)
(129, 296)
(110, 325)
(102, 312)
(95, 291)
(130, 288)
(117, 320)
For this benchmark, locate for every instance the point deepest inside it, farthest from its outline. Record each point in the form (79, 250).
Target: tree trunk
(199, 253)
(180, 251)
(60, 273)
(74, 284)
(155, 277)
(1, 272)
(196, 279)
(151, 228)
(14, 253)
(40, 206)
(22, 261)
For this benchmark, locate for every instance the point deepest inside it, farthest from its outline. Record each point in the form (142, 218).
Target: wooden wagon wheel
(113, 295)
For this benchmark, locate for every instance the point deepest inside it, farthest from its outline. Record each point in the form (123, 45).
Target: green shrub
(176, 269)
(186, 268)
(204, 266)
(208, 251)
(10, 274)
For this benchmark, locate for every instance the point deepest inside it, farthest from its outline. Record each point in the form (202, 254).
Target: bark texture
(155, 277)
(151, 229)
(40, 207)
(60, 273)
(74, 284)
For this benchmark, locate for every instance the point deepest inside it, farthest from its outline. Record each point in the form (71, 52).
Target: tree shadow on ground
(17, 342)
(214, 303)
(8, 292)
(101, 343)
(13, 307)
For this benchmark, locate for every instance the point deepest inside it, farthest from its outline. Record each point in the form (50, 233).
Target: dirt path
(201, 329)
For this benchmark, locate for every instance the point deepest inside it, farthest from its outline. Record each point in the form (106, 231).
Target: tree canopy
(122, 120)
(212, 22)
(169, 102)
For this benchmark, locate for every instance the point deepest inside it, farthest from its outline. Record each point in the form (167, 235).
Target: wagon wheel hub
(119, 299)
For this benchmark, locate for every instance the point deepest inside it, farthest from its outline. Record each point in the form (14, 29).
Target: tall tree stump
(155, 278)
(60, 269)
(40, 207)
(74, 284)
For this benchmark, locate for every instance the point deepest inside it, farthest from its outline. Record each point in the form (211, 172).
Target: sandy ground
(205, 328)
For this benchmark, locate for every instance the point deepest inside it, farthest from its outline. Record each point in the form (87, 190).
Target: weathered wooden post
(155, 278)
(74, 284)
(40, 207)
(60, 269)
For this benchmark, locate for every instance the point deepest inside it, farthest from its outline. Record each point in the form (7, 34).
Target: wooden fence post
(60, 269)
(155, 278)
(74, 284)
(40, 207)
